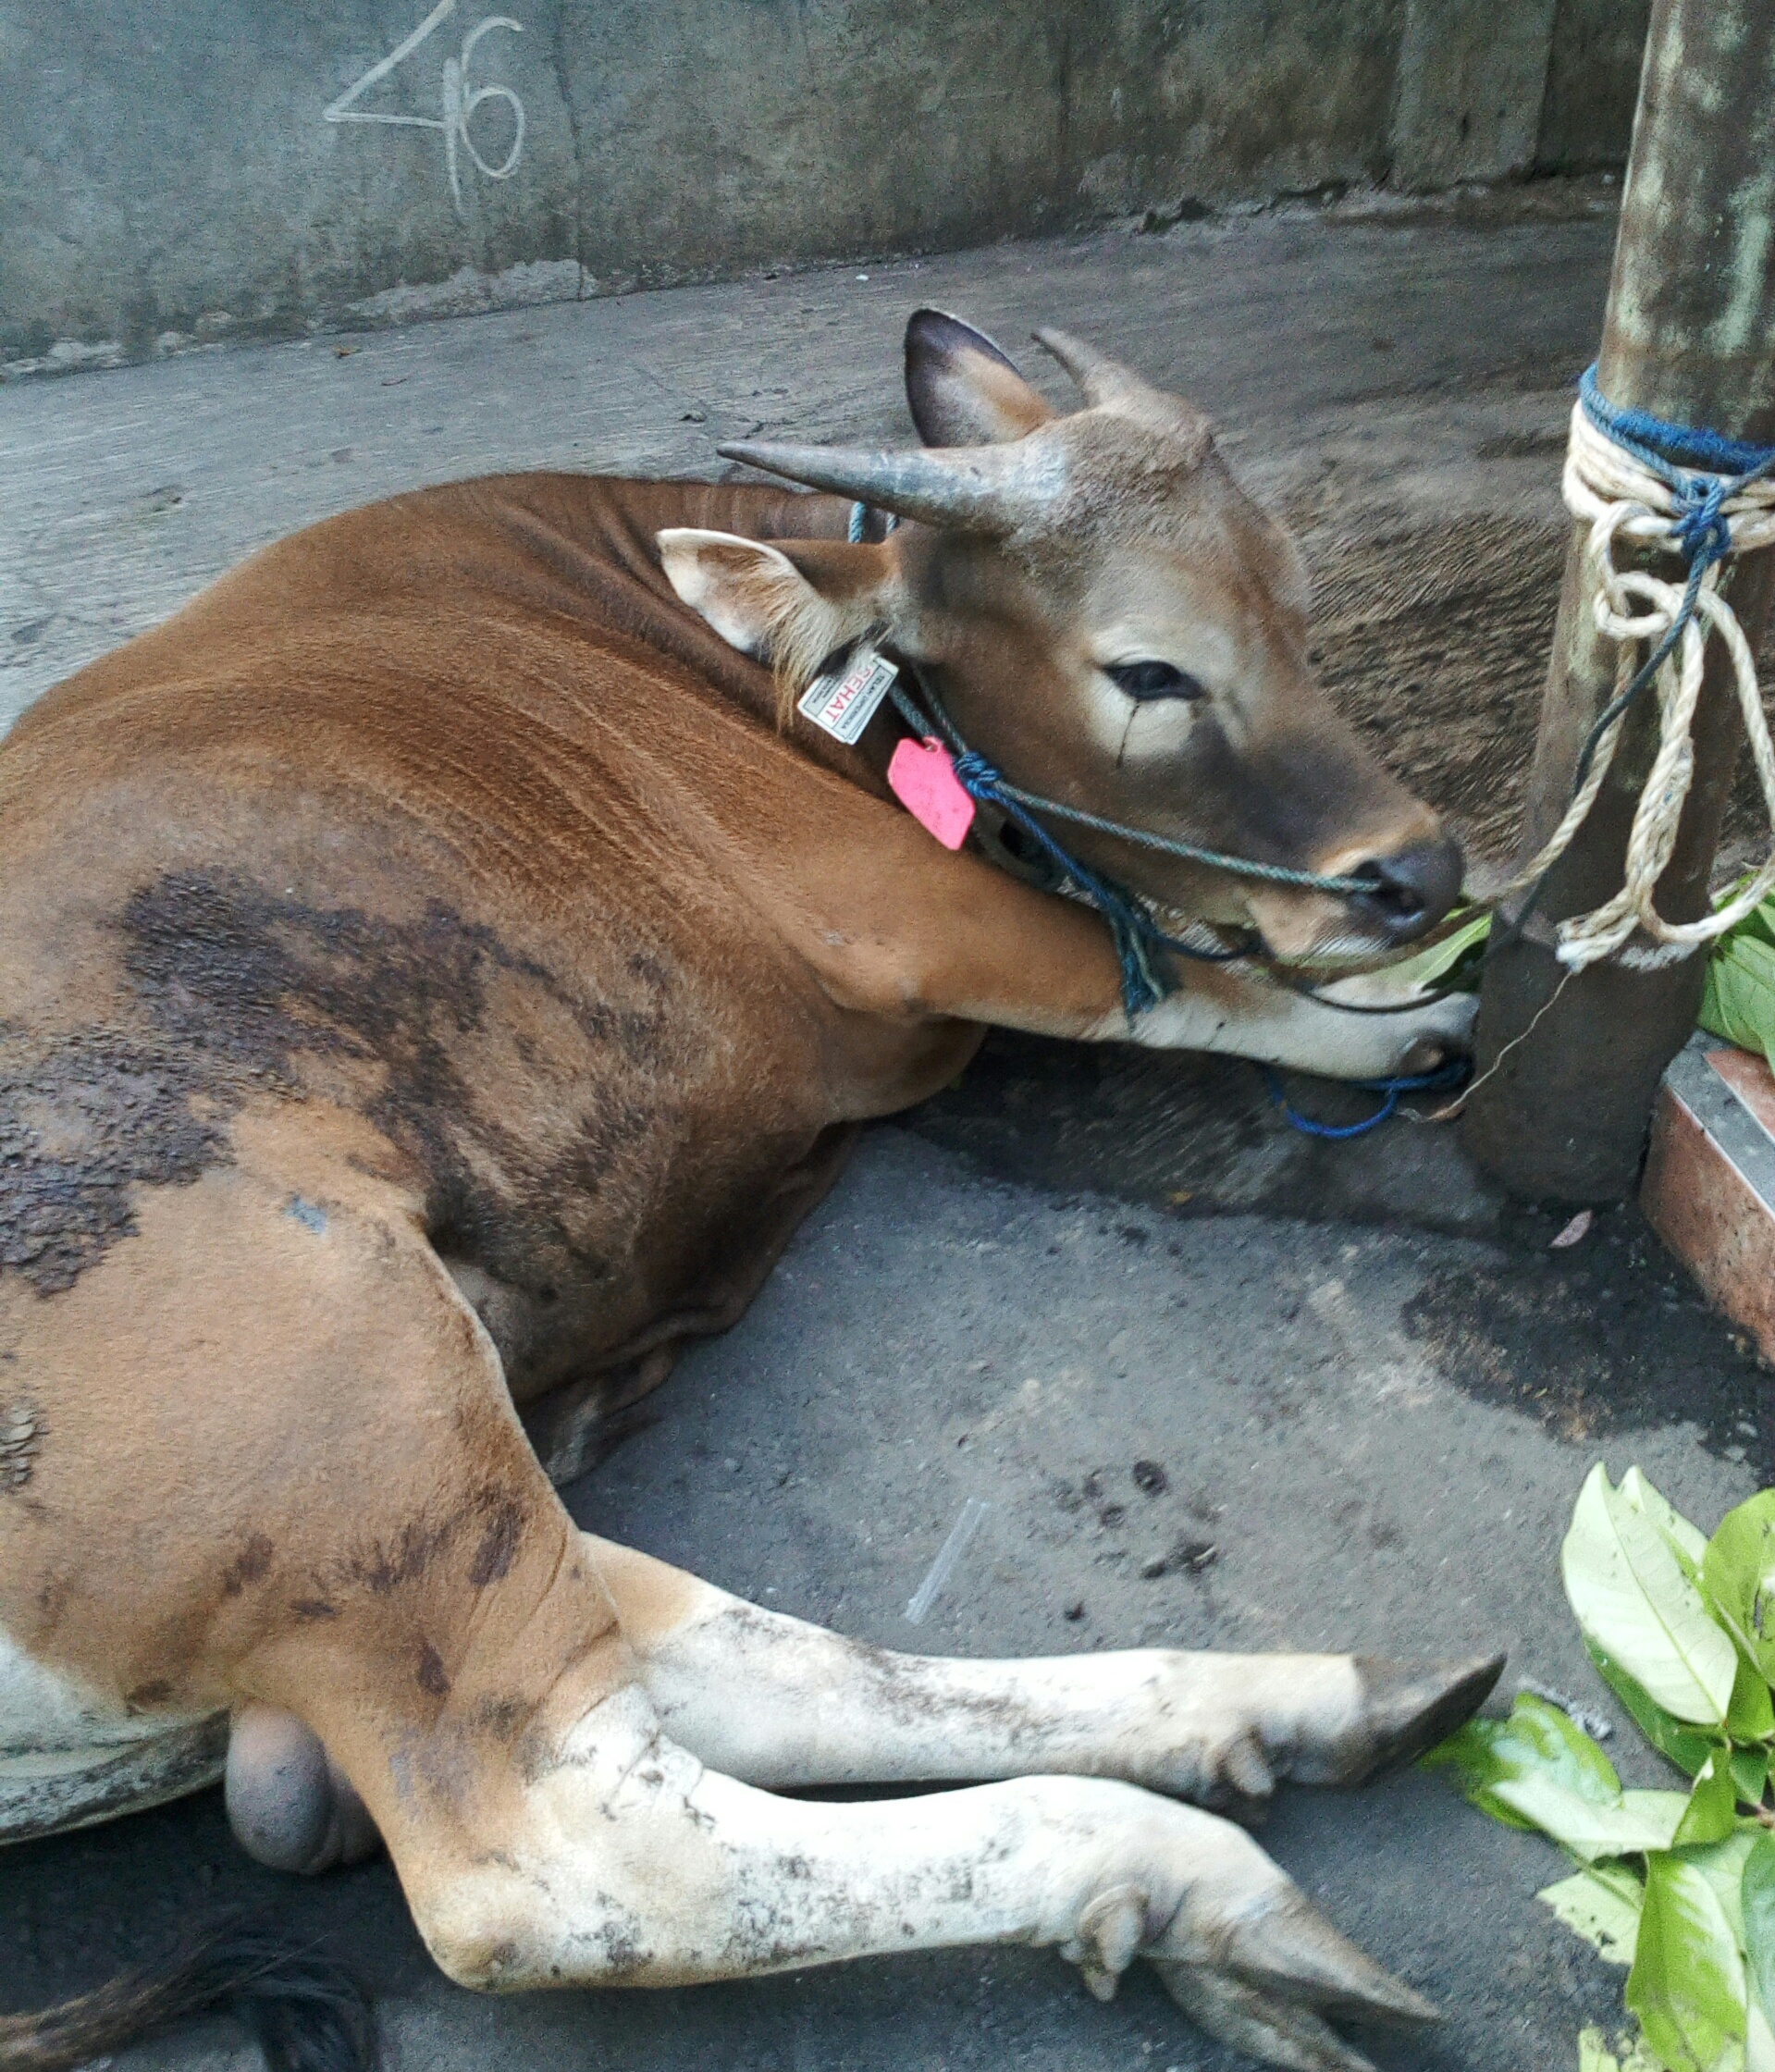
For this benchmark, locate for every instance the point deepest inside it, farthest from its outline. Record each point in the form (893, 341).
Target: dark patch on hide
(432, 1676)
(84, 1123)
(388, 1564)
(499, 1543)
(248, 1566)
(244, 984)
(239, 990)
(505, 1719)
(385, 1566)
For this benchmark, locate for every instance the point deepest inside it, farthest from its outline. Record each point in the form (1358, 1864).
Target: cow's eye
(1149, 680)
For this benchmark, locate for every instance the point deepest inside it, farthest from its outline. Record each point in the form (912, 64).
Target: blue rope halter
(1135, 932)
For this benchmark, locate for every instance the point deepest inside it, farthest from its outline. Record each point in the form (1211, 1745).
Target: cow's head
(1108, 619)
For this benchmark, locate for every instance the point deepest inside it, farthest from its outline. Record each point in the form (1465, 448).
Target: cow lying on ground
(437, 971)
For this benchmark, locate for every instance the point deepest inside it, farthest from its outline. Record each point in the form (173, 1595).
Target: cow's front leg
(1251, 1015)
(615, 1858)
(821, 1709)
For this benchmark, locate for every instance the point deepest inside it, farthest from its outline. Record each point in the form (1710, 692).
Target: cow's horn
(1110, 386)
(970, 488)
(1104, 380)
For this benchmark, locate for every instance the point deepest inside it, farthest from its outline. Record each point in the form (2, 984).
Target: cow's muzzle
(1412, 889)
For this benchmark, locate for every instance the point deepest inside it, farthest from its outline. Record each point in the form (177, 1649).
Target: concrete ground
(1371, 1389)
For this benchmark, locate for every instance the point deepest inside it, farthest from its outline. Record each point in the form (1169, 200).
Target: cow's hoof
(1406, 1709)
(1276, 1978)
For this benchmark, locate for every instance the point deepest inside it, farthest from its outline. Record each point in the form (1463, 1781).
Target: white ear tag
(844, 703)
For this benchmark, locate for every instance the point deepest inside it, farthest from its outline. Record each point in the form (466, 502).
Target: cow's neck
(614, 522)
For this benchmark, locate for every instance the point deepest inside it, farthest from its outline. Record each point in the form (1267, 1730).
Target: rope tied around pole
(1695, 493)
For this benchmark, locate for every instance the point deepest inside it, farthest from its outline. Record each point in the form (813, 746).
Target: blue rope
(1132, 929)
(1414, 1082)
(1663, 446)
(1702, 468)
(1135, 932)
(856, 531)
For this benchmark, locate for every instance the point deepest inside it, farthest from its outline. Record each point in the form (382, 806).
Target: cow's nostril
(1412, 889)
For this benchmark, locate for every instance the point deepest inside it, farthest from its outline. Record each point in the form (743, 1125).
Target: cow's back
(405, 818)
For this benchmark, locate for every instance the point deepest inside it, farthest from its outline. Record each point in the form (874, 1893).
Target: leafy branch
(1679, 1885)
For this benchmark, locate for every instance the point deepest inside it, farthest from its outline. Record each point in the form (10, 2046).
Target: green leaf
(1712, 1810)
(1538, 1770)
(1759, 2041)
(1555, 1744)
(1602, 1905)
(1644, 1821)
(1673, 1741)
(1632, 1599)
(1750, 1716)
(1750, 1774)
(1687, 1542)
(1436, 963)
(1537, 1740)
(1723, 1865)
(1756, 1897)
(1478, 1753)
(1687, 1984)
(1739, 1572)
(1738, 995)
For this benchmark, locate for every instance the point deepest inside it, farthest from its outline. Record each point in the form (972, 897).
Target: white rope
(1618, 497)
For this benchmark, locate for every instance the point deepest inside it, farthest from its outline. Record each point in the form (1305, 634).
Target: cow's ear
(791, 605)
(961, 389)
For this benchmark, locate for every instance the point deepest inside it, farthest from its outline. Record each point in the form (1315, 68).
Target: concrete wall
(169, 173)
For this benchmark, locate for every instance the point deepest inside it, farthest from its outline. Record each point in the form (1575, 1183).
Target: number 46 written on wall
(460, 100)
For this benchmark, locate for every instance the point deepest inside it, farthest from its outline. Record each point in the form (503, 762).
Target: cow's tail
(304, 2010)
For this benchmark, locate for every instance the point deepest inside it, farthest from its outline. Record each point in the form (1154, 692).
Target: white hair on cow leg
(1276, 1026)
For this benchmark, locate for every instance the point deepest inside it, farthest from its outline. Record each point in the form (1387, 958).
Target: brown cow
(436, 982)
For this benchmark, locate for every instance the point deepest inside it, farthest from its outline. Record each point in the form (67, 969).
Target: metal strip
(1739, 1137)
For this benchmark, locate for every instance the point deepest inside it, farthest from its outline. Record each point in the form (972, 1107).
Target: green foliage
(1687, 1984)
(1757, 1906)
(1601, 1902)
(1712, 1810)
(1636, 1598)
(1738, 1000)
(1673, 1741)
(1537, 1742)
(1453, 962)
(1739, 1571)
(1678, 1884)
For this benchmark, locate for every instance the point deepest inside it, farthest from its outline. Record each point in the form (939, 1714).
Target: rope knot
(975, 775)
(1692, 492)
(1703, 530)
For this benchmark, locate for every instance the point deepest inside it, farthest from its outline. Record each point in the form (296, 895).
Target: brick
(1709, 1185)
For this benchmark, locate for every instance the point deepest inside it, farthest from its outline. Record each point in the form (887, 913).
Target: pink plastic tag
(922, 777)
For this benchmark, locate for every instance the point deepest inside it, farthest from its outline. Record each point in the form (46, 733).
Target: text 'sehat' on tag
(843, 703)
